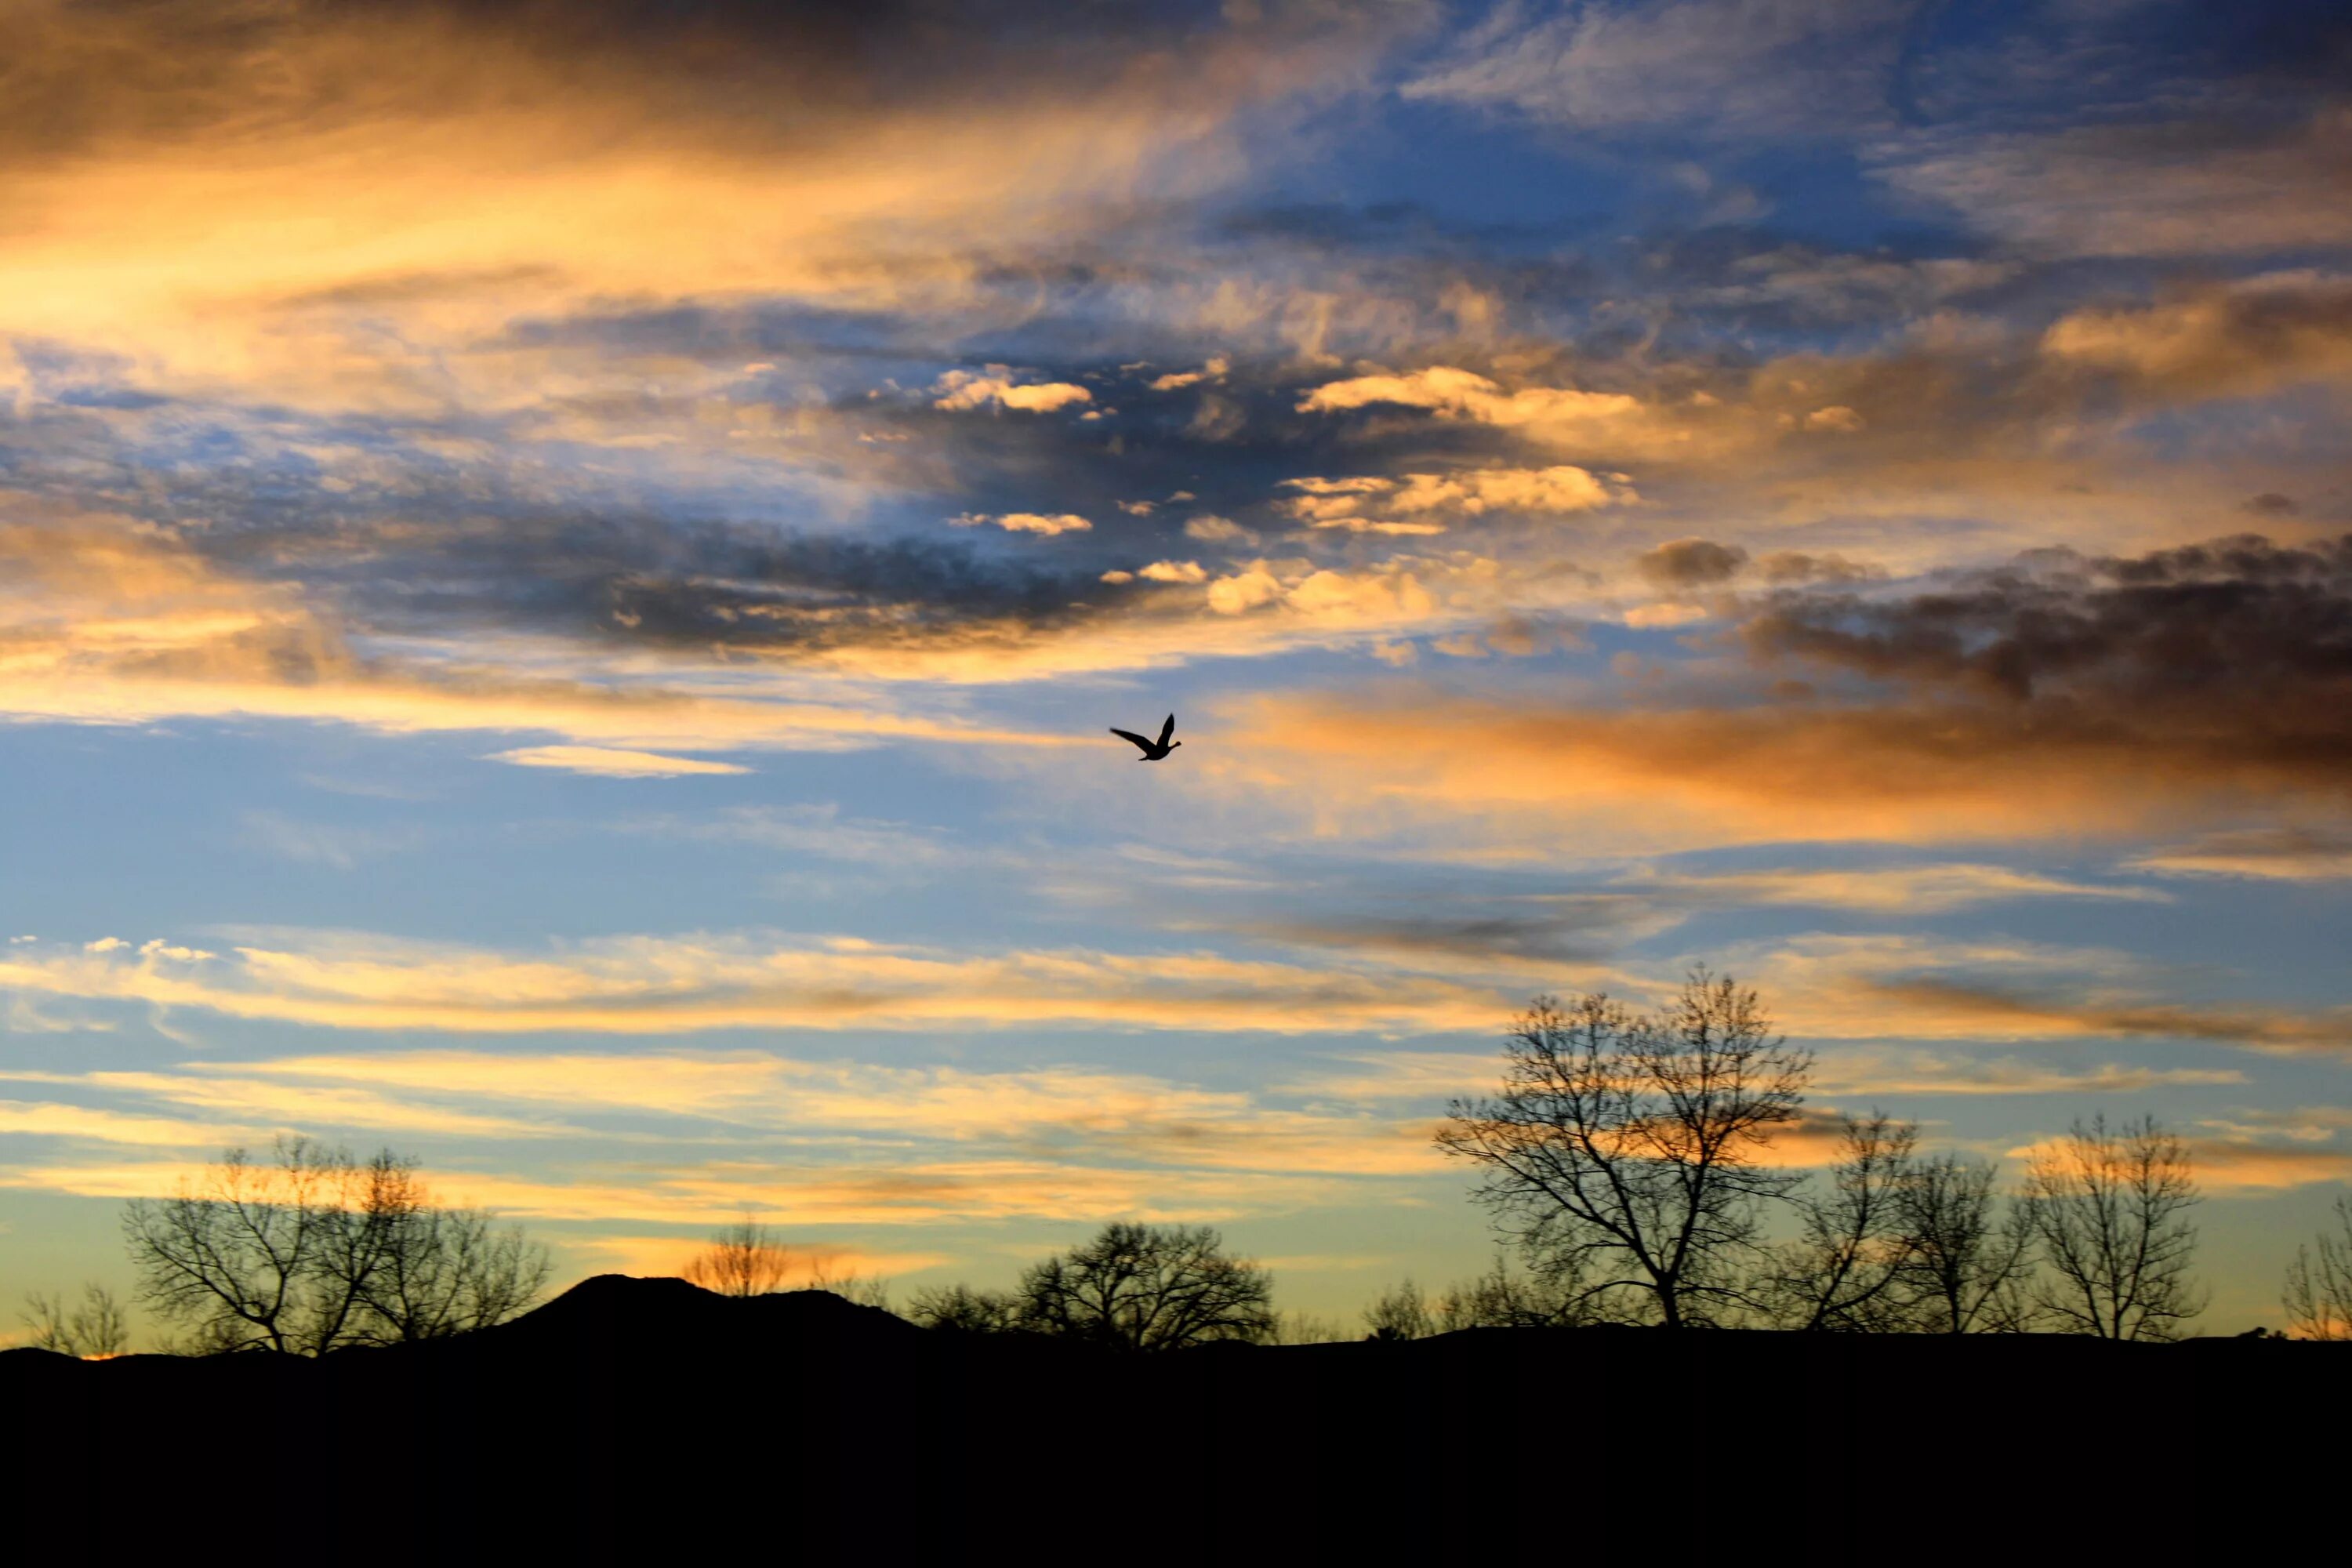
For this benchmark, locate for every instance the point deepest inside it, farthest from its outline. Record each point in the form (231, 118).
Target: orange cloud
(707, 1193)
(656, 985)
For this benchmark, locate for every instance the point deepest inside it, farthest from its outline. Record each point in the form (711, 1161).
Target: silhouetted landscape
(1644, 1350)
(808, 1420)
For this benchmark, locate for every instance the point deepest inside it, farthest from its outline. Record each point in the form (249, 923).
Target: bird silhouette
(1152, 750)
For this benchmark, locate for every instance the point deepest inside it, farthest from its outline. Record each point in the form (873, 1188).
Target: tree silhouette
(1149, 1287)
(1966, 1267)
(314, 1251)
(1842, 1270)
(2318, 1297)
(1399, 1312)
(1502, 1297)
(1623, 1145)
(2110, 1210)
(959, 1308)
(96, 1327)
(746, 1259)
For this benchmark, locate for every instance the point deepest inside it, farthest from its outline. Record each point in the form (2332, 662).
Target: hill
(634, 1409)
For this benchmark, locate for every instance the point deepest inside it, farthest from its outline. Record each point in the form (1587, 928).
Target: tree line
(1637, 1167)
(306, 1251)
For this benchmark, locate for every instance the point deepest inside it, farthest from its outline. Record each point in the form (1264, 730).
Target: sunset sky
(565, 569)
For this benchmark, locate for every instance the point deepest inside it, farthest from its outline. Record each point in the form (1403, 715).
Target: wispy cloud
(608, 761)
(662, 985)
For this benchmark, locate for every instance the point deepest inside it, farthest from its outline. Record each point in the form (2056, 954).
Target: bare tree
(451, 1271)
(1502, 1297)
(746, 1259)
(1506, 1298)
(1399, 1312)
(1852, 1246)
(1624, 1146)
(1149, 1287)
(1307, 1328)
(2110, 1209)
(2319, 1298)
(314, 1251)
(240, 1251)
(1967, 1266)
(962, 1310)
(96, 1327)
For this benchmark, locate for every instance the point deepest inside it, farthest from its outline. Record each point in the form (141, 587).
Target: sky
(564, 570)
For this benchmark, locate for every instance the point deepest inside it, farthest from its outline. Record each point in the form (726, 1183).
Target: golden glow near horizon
(564, 572)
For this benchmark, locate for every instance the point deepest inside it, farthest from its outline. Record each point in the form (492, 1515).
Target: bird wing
(1168, 729)
(1132, 735)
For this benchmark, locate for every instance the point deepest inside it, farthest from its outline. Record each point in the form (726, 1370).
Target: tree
(1307, 1328)
(1966, 1268)
(2109, 1208)
(959, 1308)
(451, 1271)
(1623, 1146)
(239, 1254)
(2318, 1297)
(1853, 1247)
(1399, 1312)
(1149, 1287)
(1503, 1298)
(746, 1259)
(314, 1251)
(95, 1328)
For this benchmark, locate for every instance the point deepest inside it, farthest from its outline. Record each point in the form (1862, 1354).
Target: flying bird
(1152, 750)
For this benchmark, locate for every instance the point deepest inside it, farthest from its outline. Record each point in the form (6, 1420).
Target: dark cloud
(703, 585)
(2221, 621)
(748, 72)
(2234, 651)
(1796, 567)
(1577, 929)
(1691, 562)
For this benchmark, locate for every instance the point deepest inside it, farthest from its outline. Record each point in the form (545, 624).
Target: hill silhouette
(632, 1405)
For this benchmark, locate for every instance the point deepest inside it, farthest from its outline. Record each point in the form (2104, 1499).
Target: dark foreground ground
(645, 1418)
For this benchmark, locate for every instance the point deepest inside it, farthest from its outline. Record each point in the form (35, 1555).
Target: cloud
(1427, 503)
(2188, 186)
(1428, 1077)
(2001, 1012)
(2287, 854)
(1691, 562)
(109, 622)
(1559, 415)
(1889, 891)
(2234, 1167)
(605, 762)
(1718, 67)
(658, 985)
(1211, 530)
(908, 1193)
(811, 830)
(1177, 380)
(524, 162)
(964, 389)
(1027, 522)
(2244, 338)
(2060, 694)
(1858, 1075)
